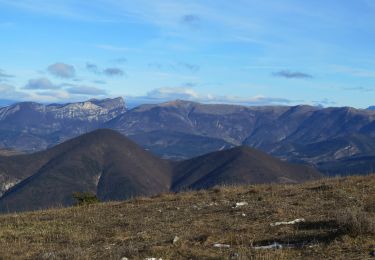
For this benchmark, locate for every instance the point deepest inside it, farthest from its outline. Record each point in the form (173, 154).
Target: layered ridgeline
(111, 166)
(30, 126)
(335, 140)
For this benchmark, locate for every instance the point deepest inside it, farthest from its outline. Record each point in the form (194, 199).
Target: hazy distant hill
(108, 164)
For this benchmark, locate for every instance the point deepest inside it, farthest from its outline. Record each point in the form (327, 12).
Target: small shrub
(85, 198)
(355, 222)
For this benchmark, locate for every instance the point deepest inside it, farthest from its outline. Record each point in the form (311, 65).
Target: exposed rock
(221, 245)
(298, 220)
(175, 240)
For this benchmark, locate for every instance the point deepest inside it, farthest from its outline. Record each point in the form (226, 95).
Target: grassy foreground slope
(339, 223)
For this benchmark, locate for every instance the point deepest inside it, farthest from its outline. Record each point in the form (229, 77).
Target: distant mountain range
(335, 140)
(371, 108)
(113, 167)
(326, 138)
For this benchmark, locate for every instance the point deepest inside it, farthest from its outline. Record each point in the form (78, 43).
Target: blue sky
(248, 52)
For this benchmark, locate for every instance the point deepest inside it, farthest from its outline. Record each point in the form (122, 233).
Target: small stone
(124, 258)
(175, 240)
(221, 245)
(240, 204)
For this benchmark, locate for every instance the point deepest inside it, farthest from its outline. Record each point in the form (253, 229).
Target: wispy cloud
(357, 72)
(62, 70)
(92, 68)
(113, 72)
(175, 66)
(186, 93)
(110, 72)
(292, 74)
(189, 84)
(155, 65)
(120, 60)
(359, 89)
(102, 82)
(190, 20)
(188, 66)
(41, 84)
(113, 48)
(324, 102)
(63, 9)
(5, 75)
(10, 92)
(86, 90)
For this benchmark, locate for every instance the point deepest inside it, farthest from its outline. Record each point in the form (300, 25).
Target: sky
(274, 52)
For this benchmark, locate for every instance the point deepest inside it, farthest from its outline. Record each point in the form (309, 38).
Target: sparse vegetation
(85, 198)
(355, 222)
(337, 225)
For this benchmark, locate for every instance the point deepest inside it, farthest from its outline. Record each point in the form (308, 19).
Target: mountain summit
(102, 162)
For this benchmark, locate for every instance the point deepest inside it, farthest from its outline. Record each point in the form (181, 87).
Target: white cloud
(186, 93)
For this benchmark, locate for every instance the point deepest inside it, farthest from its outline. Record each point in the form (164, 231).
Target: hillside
(339, 224)
(113, 167)
(102, 162)
(240, 165)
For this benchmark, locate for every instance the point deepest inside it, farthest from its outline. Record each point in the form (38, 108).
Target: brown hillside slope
(102, 162)
(339, 224)
(239, 165)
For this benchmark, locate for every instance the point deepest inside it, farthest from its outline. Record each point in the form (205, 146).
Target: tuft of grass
(356, 222)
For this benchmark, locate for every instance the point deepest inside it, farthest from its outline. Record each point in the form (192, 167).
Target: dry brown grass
(146, 227)
(355, 222)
